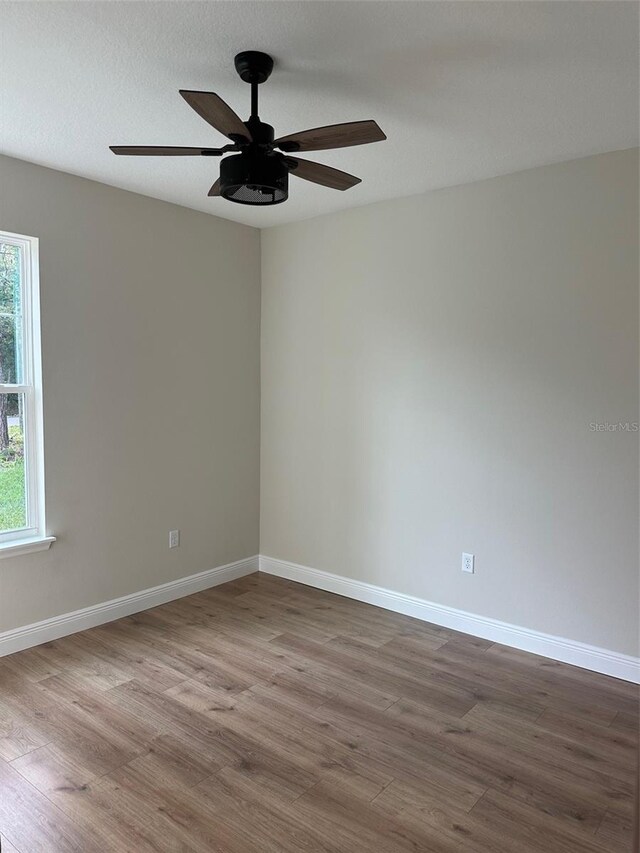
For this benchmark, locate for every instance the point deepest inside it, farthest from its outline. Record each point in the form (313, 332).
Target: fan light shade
(254, 179)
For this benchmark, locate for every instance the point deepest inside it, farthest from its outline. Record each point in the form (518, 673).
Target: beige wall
(430, 370)
(151, 382)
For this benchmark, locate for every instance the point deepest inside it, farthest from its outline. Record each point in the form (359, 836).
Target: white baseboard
(573, 652)
(579, 654)
(79, 620)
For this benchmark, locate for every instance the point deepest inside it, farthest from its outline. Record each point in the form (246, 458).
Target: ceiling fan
(258, 173)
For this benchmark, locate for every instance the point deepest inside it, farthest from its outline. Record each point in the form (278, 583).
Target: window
(22, 521)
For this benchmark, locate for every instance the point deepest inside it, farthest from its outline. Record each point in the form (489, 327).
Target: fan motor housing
(254, 178)
(253, 66)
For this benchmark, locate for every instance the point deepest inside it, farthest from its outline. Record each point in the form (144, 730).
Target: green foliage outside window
(12, 480)
(10, 328)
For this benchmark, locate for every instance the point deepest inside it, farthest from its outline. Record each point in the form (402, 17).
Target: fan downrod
(253, 66)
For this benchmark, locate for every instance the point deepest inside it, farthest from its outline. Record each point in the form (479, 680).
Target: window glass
(11, 325)
(13, 489)
(22, 515)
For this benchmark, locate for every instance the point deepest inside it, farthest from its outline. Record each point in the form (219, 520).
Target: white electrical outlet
(174, 538)
(467, 563)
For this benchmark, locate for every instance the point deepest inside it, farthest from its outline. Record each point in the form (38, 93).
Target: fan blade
(332, 136)
(215, 189)
(165, 151)
(213, 109)
(321, 174)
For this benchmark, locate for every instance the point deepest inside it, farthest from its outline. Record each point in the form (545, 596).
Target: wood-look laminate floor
(267, 717)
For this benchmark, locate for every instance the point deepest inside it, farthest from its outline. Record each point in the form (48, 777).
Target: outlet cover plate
(468, 564)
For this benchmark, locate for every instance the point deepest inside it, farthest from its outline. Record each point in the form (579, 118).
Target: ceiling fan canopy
(258, 171)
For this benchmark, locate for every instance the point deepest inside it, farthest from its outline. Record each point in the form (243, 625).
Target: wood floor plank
(455, 692)
(541, 777)
(567, 674)
(451, 822)
(364, 827)
(561, 746)
(260, 822)
(150, 803)
(128, 814)
(608, 739)
(51, 769)
(510, 678)
(72, 653)
(528, 829)
(278, 721)
(19, 734)
(130, 659)
(442, 770)
(263, 716)
(456, 749)
(555, 679)
(30, 664)
(615, 832)
(626, 724)
(398, 683)
(33, 822)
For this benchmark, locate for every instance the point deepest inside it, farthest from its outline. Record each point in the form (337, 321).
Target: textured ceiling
(463, 90)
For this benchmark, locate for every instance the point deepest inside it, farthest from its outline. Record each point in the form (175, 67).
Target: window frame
(33, 536)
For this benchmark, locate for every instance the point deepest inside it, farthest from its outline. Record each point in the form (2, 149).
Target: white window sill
(15, 547)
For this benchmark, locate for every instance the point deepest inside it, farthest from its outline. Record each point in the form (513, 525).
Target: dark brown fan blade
(165, 151)
(321, 174)
(213, 109)
(332, 136)
(215, 189)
